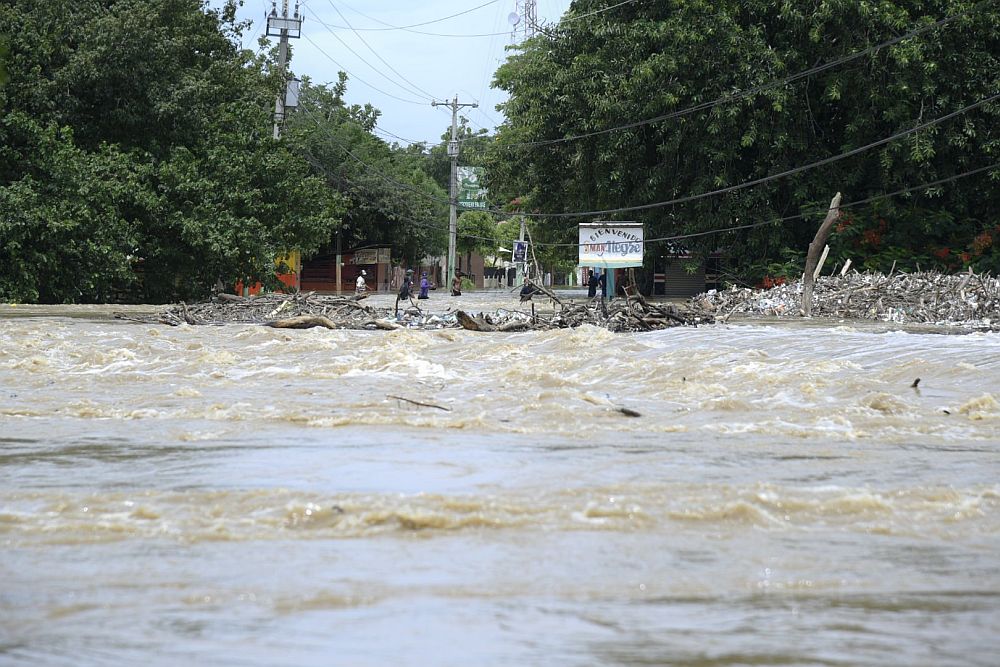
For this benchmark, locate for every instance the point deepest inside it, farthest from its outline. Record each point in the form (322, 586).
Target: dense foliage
(135, 154)
(647, 59)
(391, 198)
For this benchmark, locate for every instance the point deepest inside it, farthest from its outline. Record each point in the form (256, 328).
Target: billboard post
(611, 245)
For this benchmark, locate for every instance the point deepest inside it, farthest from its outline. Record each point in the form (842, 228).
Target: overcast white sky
(426, 66)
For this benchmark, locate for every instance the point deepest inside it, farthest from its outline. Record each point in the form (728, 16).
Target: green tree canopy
(391, 198)
(640, 61)
(477, 232)
(135, 153)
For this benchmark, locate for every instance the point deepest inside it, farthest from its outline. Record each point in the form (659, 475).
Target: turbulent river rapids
(748, 493)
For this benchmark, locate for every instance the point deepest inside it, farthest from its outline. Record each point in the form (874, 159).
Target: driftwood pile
(633, 313)
(288, 311)
(301, 311)
(967, 299)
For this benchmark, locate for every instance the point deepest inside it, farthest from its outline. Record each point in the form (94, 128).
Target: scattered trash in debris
(966, 299)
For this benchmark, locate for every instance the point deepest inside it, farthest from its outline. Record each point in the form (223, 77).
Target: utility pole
(525, 22)
(519, 275)
(283, 27)
(453, 198)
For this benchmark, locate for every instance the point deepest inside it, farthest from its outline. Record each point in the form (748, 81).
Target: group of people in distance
(406, 289)
(594, 282)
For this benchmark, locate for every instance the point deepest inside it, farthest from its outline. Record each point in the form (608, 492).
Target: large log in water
(303, 322)
(812, 259)
(473, 323)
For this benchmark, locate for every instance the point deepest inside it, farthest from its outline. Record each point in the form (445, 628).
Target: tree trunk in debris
(812, 258)
(303, 322)
(473, 323)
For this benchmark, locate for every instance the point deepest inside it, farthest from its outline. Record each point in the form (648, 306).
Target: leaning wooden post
(812, 258)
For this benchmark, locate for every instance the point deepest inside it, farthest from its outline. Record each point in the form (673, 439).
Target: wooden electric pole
(453, 151)
(283, 27)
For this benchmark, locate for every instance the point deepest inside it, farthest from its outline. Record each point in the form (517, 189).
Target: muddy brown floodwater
(242, 495)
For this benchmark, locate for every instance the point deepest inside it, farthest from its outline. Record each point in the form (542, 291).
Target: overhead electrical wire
(732, 97)
(486, 77)
(739, 186)
(379, 130)
(374, 69)
(498, 212)
(377, 55)
(772, 177)
(799, 216)
(358, 78)
(414, 25)
(676, 237)
(368, 167)
(709, 232)
(494, 34)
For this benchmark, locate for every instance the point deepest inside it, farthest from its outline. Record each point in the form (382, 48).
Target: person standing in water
(456, 284)
(592, 283)
(424, 286)
(405, 290)
(360, 287)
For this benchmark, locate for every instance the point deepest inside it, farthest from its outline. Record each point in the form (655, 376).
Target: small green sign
(471, 193)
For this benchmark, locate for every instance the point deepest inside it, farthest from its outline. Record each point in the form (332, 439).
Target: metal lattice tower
(524, 19)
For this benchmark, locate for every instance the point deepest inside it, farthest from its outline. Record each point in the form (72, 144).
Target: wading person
(592, 283)
(360, 287)
(456, 284)
(406, 290)
(424, 286)
(528, 290)
(603, 282)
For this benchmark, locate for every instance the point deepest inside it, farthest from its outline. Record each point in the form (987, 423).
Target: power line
(731, 188)
(358, 78)
(497, 34)
(488, 62)
(732, 97)
(362, 59)
(676, 237)
(368, 167)
(799, 216)
(772, 177)
(384, 61)
(379, 130)
(414, 25)
(679, 237)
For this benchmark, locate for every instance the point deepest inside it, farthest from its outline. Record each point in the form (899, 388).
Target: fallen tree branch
(423, 405)
(812, 258)
(303, 322)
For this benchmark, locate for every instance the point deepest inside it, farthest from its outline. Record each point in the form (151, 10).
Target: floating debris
(305, 310)
(293, 311)
(967, 299)
(632, 313)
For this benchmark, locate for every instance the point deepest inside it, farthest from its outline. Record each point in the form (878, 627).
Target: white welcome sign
(613, 245)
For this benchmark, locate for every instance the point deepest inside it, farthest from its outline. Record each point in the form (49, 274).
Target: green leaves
(389, 192)
(652, 59)
(136, 159)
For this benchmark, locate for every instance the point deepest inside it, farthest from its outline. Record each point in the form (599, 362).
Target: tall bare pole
(283, 27)
(453, 150)
(525, 20)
